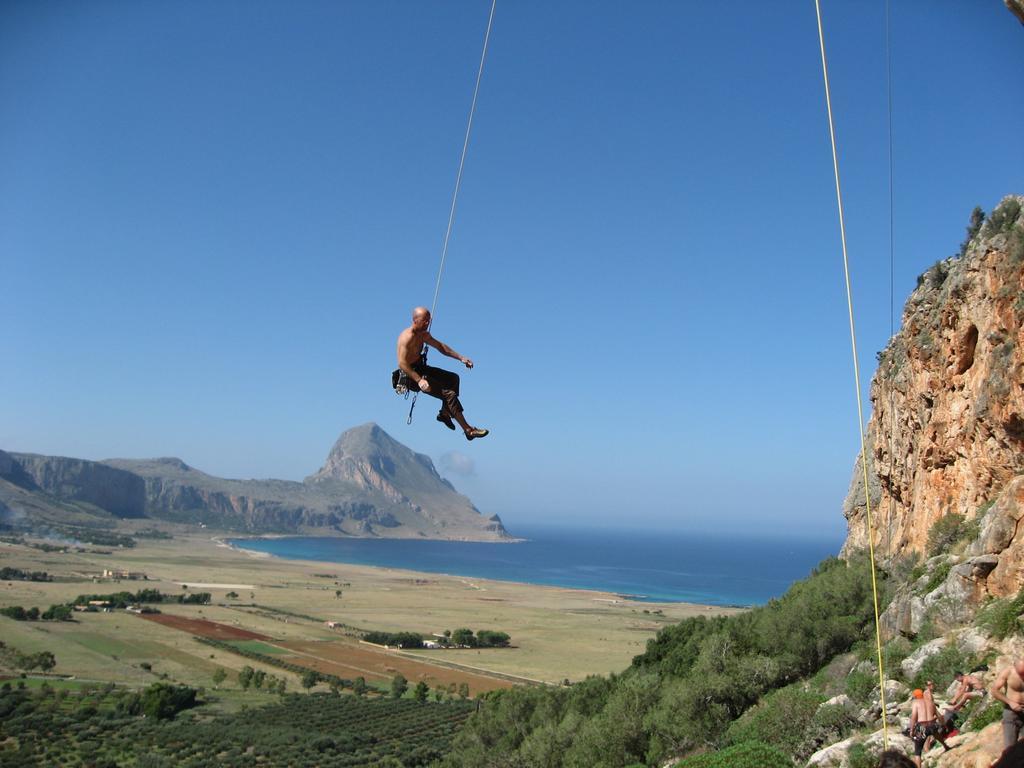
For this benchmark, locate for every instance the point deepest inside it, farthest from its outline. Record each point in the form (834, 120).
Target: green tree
(57, 613)
(218, 676)
(463, 636)
(245, 677)
(359, 686)
(310, 678)
(258, 677)
(46, 660)
(491, 639)
(399, 685)
(463, 691)
(164, 701)
(15, 612)
(420, 691)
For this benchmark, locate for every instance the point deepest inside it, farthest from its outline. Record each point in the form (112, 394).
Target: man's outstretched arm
(444, 349)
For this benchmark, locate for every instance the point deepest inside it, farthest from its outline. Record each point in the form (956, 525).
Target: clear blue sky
(216, 216)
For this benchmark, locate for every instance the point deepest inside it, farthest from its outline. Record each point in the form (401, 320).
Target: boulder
(1001, 535)
(837, 755)
(904, 616)
(832, 756)
(971, 640)
(913, 663)
(842, 700)
(895, 696)
(970, 750)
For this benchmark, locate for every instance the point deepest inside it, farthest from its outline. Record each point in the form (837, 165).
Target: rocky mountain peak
(368, 454)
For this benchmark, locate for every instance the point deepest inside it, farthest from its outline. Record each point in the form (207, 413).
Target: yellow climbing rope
(856, 374)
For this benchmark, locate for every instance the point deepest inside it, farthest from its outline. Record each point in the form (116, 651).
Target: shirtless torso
(1009, 689)
(410, 346)
(1009, 686)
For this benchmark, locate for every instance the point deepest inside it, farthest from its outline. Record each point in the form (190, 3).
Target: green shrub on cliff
(1002, 218)
(950, 530)
(780, 719)
(993, 713)
(1003, 617)
(749, 755)
(973, 228)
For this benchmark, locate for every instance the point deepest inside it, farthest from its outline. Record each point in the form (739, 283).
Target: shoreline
(559, 632)
(608, 596)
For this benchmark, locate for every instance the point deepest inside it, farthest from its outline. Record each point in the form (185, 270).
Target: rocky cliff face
(946, 433)
(370, 485)
(116, 491)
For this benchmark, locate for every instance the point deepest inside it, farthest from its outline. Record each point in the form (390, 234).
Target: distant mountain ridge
(369, 486)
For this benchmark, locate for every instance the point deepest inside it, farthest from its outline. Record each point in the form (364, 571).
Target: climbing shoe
(445, 419)
(474, 433)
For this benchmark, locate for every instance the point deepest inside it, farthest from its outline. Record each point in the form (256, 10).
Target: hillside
(796, 683)
(369, 485)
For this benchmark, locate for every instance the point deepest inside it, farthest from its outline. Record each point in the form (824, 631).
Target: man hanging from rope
(436, 382)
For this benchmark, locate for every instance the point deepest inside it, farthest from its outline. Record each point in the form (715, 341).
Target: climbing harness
(856, 374)
(403, 380)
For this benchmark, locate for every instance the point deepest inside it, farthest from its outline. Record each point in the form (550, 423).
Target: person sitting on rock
(436, 382)
(969, 687)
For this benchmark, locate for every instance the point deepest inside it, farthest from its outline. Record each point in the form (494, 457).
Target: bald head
(420, 319)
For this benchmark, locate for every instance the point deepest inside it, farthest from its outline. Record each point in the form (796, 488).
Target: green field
(258, 646)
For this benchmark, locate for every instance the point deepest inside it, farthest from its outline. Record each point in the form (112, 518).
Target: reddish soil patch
(350, 661)
(202, 627)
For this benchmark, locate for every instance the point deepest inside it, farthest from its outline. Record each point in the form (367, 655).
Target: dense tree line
(16, 574)
(153, 533)
(97, 537)
(395, 639)
(460, 638)
(484, 638)
(21, 613)
(124, 599)
(683, 692)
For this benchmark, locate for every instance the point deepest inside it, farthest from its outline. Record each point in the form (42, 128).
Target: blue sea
(653, 566)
